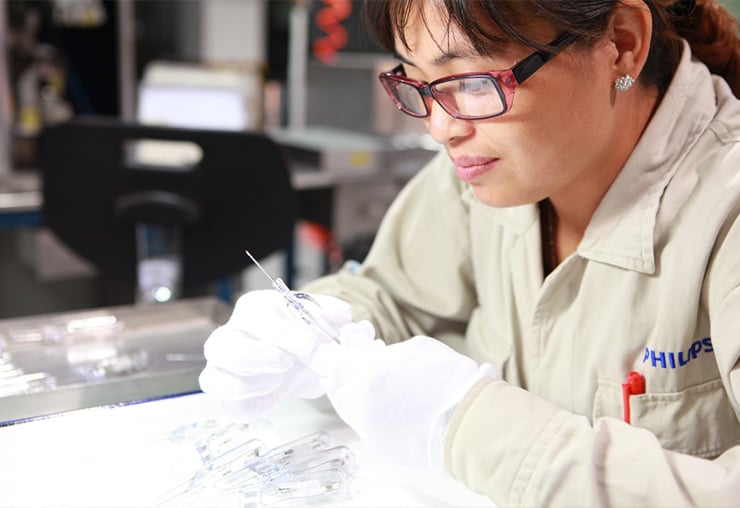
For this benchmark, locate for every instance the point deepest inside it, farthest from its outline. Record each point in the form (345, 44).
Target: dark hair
(705, 24)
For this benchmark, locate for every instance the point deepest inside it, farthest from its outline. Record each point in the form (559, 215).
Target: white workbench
(122, 457)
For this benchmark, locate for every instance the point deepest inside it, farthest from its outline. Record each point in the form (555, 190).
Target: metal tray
(60, 362)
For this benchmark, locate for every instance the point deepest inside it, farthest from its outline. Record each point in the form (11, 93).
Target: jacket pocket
(698, 420)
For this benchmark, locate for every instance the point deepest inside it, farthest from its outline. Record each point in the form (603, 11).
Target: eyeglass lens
(474, 96)
(409, 98)
(465, 97)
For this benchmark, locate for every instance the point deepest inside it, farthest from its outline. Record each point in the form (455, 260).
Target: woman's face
(556, 139)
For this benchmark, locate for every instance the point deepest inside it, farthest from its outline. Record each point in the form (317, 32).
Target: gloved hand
(261, 356)
(399, 398)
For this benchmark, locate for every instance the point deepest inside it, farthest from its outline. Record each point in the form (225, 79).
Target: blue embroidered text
(671, 360)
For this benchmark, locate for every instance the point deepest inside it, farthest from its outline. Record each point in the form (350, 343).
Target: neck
(573, 207)
(566, 220)
(558, 240)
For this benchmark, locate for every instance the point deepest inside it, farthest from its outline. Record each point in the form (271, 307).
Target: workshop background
(302, 72)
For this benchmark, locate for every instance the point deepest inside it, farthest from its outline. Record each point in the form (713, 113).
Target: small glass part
(193, 430)
(213, 443)
(227, 463)
(16, 381)
(123, 364)
(305, 487)
(292, 299)
(20, 383)
(99, 326)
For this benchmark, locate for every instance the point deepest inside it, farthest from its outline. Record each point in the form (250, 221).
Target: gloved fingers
(487, 370)
(301, 382)
(225, 385)
(359, 334)
(250, 410)
(344, 367)
(325, 315)
(265, 315)
(257, 298)
(397, 398)
(304, 383)
(254, 303)
(326, 359)
(334, 311)
(356, 339)
(237, 352)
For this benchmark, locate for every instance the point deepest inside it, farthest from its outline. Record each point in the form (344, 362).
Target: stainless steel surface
(67, 346)
(327, 156)
(323, 156)
(366, 171)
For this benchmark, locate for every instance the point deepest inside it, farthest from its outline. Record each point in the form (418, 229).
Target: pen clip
(634, 385)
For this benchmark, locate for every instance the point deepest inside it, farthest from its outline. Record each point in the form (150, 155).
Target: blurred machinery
(179, 94)
(160, 224)
(37, 75)
(348, 150)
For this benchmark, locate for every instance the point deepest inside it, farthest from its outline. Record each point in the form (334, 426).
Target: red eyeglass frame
(505, 81)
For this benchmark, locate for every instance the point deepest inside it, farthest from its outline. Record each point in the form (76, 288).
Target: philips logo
(671, 360)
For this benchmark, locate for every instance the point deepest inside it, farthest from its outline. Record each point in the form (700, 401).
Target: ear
(630, 31)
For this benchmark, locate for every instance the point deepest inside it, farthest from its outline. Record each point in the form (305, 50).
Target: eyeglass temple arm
(531, 64)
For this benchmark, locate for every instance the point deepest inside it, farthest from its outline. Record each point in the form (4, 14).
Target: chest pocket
(698, 421)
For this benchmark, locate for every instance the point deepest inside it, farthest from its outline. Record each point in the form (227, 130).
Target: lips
(469, 169)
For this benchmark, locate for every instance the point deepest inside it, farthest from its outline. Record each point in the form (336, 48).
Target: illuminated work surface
(122, 457)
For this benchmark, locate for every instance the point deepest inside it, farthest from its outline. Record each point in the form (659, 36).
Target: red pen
(635, 385)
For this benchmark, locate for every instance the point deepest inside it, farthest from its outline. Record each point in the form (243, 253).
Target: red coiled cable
(329, 20)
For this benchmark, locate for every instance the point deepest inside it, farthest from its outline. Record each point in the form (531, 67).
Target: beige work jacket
(652, 288)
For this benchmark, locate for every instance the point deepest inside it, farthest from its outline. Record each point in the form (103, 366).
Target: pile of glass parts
(232, 462)
(97, 361)
(14, 380)
(17, 380)
(60, 362)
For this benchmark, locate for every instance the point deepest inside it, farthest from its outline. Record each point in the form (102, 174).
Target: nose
(443, 127)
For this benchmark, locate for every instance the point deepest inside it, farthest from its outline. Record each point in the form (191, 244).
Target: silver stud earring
(624, 83)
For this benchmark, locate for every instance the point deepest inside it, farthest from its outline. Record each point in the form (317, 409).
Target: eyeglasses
(471, 95)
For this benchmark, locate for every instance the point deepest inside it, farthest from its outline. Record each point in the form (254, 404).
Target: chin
(498, 199)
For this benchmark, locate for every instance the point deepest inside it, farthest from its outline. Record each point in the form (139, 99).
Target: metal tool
(293, 300)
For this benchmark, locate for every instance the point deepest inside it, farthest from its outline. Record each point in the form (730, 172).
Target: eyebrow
(400, 57)
(440, 60)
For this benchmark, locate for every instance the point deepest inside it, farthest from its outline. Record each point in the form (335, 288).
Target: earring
(624, 83)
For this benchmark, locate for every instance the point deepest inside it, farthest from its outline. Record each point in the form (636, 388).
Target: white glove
(399, 398)
(261, 355)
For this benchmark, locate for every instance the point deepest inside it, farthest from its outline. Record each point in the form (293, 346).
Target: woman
(580, 233)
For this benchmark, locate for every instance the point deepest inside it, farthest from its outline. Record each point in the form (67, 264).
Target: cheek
(552, 138)
(567, 129)
(566, 102)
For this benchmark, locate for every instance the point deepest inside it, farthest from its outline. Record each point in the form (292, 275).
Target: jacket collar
(623, 229)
